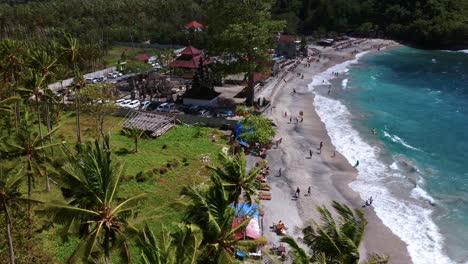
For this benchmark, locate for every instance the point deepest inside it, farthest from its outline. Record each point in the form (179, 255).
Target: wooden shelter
(152, 123)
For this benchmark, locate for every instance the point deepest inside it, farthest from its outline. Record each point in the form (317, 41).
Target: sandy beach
(328, 176)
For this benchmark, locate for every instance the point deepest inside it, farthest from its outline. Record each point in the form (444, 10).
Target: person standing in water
(310, 153)
(309, 191)
(357, 164)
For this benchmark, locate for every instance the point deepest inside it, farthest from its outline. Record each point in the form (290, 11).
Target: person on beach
(309, 190)
(279, 174)
(329, 91)
(290, 119)
(321, 145)
(310, 153)
(357, 164)
(280, 140)
(333, 155)
(285, 114)
(298, 192)
(294, 90)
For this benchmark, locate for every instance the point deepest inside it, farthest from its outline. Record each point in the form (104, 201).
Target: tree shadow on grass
(123, 152)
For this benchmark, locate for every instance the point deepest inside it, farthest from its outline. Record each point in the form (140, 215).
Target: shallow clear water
(418, 103)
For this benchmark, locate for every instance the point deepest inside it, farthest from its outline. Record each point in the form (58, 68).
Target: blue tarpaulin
(238, 130)
(243, 143)
(245, 209)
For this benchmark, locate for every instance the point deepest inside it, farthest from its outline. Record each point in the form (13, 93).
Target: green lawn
(183, 147)
(113, 55)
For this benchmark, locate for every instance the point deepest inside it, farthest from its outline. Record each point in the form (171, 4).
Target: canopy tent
(247, 210)
(253, 229)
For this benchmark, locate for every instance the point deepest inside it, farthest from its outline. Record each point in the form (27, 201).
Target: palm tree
(72, 52)
(299, 255)
(91, 181)
(31, 146)
(233, 172)
(134, 133)
(332, 242)
(182, 246)
(211, 211)
(10, 196)
(6, 104)
(11, 66)
(339, 241)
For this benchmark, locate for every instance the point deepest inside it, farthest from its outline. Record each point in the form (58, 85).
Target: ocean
(415, 163)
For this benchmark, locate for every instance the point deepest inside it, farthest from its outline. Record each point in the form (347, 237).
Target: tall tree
(233, 171)
(10, 196)
(29, 145)
(333, 242)
(72, 55)
(211, 211)
(245, 30)
(98, 99)
(134, 133)
(182, 246)
(91, 182)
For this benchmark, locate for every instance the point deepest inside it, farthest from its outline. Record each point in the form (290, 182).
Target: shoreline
(329, 177)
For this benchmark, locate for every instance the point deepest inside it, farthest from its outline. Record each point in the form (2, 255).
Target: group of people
(298, 192)
(368, 202)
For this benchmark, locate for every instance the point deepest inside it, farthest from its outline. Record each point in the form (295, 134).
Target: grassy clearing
(113, 55)
(181, 147)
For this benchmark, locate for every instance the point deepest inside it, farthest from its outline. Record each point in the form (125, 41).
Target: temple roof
(194, 24)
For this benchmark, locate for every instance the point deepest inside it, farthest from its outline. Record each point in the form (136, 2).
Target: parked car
(110, 75)
(124, 103)
(194, 109)
(71, 96)
(165, 107)
(152, 106)
(144, 105)
(133, 104)
(90, 80)
(101, 79)
(205, 113)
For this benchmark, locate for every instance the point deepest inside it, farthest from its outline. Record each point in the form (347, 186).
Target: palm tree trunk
(29, 193)
(8, 234)
(17, 117)
(38, 112)
(49, 128)
(136, 144)
(107, 249)
(78, 129)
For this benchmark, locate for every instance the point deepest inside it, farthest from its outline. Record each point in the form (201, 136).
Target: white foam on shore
(461, 51)
(409, 221)
(397, 139)
(324, 77)
(344, 83)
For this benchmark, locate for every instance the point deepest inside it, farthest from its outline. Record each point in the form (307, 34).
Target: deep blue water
(418, 103)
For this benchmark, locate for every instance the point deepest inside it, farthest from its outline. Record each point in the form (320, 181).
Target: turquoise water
(418, 103)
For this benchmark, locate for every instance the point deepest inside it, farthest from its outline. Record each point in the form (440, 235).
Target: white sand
(328, 176)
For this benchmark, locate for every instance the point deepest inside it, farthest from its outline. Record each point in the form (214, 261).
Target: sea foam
(398, 140)
(409, 221)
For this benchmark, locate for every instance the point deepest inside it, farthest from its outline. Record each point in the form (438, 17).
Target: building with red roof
(142, 57)
(287, 45)
(189, 59)
(195, 24)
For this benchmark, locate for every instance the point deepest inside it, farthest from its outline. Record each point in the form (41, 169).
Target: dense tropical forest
(429, 23)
